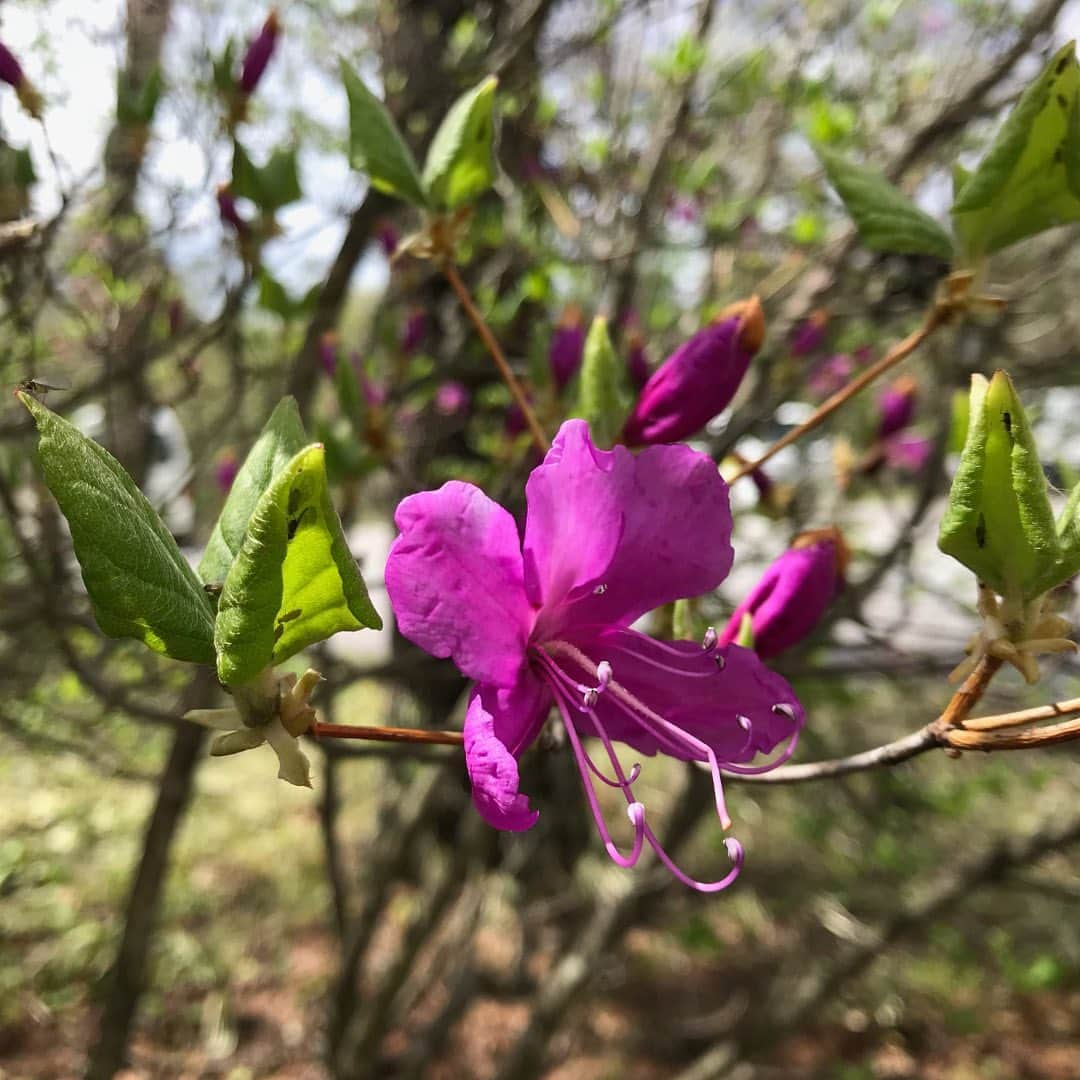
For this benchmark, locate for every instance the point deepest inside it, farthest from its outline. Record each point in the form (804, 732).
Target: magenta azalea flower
(793, 594)
(608, 537)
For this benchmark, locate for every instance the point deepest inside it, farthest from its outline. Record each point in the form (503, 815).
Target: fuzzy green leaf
(376, 146)
(280, 440)
(459, 165)
(1027, 182)
(600, 391)
(293, 582)
(886, 218)
(138, 581)
(999, 522)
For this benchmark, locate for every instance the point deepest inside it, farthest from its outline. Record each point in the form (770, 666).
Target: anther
(734, 850)
(744, 722)
(636, 813)
(599, 590)
(604, 673)
(783, 709)
(719, 661)
(590, 695)
(711, 637)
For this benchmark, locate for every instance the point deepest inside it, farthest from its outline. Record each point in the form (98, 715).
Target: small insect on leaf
(39, 387)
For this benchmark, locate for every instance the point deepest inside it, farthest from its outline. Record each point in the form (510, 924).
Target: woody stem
(387, 734)
(493, 347)
(936, 317)
(969, 692)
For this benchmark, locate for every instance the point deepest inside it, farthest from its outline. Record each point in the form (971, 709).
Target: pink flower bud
(12, 73)
(908, 453)
(829, 375)
(699, 379)
(567, 346)
(259, 53)
(637, 360)
(413, 331)
(225, 471)
(228, 212)
(388, 238)
(451, 398)
(328, 352)
(809, 335)
(793, 594)
(897, 406)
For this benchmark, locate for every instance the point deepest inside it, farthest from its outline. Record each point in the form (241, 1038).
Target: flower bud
(829, 375)
(259, 53)
(793, 593)
(896, 406)
(809, 335)
(699, 379)
(908, 453)
(567, 346)
(413, 331)
(637, 361)
(225, 470)
(328, 352)
(12, 73)
(227, 210)
(451, 398)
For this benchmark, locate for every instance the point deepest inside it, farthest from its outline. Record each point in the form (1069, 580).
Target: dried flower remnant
(608, 537)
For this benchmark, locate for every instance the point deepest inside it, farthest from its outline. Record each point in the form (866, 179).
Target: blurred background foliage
(178, 918)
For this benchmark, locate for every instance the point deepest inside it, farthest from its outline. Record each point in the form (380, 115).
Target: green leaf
(600, 392)
(280, 440)
(459, 165)
(886, 218)
(293, 582)
(269, 187)
(376, 146)
(139, 583)
(999, 522)
(274, 297)
(1027, 182)
(1068, 530)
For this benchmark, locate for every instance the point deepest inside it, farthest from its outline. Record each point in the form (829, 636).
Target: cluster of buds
(699, 379)
(12, 73)
(269, 709)
(792, 595)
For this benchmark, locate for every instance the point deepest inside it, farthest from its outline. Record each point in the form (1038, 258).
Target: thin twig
(493, 347)
(936, 317)
(387, 734)
(1023, 716)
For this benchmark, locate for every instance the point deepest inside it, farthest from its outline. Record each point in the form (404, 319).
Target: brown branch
(493, 347)
(387, 734)
(936, 317)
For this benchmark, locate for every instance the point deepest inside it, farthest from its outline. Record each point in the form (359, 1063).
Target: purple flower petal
(694, 692)
(610, 536)
(498, 725)
(454, 577)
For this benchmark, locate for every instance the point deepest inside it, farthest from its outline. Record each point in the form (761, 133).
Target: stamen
(591, 694)
(635, 810)
(585, 766)
(782, 709)
(599, 590)
(720, 660)
(710, 639)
